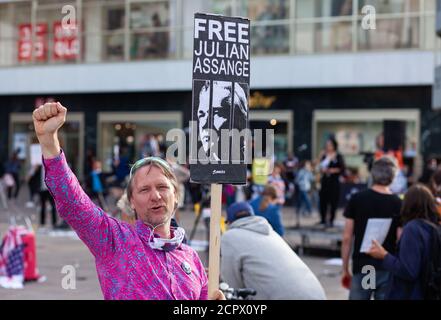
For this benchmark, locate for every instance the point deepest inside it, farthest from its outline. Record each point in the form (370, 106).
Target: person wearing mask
(408, 265)
(266, 206)
(378, 202)
(254, 256)
(332, 166)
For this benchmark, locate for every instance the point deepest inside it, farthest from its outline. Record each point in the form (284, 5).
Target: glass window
(430, 6)
(134, 139)
(62, 44)
(151, 35)
(323, 8)
(429, 34)
(280, 136)
(22, 35)
(391, 6)
(397, 33)
(69, 136)
(272, 39)
(356, 140)
(113, 35)
(323, 37)
(264, 10)
(224, 7)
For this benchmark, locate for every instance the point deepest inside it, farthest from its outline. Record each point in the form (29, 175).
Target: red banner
(66, 42)
(25, 47)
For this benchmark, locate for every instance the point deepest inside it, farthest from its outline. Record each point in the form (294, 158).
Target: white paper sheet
(375, 229)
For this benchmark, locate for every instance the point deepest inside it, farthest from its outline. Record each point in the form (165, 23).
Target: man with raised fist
(146, 260)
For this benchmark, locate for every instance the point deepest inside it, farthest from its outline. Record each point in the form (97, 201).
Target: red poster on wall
(25, 42)
(66, 42)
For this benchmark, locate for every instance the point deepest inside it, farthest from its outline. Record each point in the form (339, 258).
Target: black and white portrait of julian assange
(221, 115)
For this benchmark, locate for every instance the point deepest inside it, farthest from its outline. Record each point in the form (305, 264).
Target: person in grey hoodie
(254, 256)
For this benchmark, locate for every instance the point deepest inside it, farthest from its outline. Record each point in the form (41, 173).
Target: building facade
(123, 68)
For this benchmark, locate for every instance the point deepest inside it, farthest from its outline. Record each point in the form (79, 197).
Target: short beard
(155, 222)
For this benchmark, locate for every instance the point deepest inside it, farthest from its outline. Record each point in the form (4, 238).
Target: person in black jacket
(331, 167)
(420, 216)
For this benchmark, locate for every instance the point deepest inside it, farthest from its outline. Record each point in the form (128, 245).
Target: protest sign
(219, 131)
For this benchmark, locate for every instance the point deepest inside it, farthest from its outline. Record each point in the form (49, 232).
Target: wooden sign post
(214, 254)
(219, 127)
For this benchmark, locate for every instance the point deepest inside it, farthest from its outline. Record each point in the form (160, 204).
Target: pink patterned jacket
(126, 265)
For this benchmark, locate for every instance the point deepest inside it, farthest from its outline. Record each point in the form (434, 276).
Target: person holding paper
(407, 266)
(143, 261)
(378, 202)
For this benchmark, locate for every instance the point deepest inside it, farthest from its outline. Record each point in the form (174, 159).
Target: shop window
(391, 6)
(113, 35)
(358, 141)
(265, 10)
(133, 137)
(270, 39)
(323, 8)
(23, 136)
(394, 33)
(324, 37)
(151, 36)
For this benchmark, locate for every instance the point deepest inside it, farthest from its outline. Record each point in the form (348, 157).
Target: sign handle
(214, 254)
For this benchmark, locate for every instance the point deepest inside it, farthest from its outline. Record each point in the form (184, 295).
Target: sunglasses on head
(147, 161)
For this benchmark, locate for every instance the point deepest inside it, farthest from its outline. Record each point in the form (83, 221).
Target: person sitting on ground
(254, 256)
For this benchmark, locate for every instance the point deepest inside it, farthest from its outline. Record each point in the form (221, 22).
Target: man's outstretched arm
(73, 205)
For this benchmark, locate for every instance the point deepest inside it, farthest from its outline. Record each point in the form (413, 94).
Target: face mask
(167, 244)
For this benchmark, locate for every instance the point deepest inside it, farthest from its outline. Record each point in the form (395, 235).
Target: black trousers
(44, 196)
(329, 196)
(17, 187)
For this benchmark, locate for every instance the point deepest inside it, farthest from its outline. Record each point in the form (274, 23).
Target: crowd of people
(153, 189)
(304, 186)
(407, 263)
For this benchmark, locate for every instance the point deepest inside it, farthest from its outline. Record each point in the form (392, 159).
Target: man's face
(203, 119)
(221, 106)
(221, 112)
(153, 195)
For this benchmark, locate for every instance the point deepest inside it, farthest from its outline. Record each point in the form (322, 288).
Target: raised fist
(48, 118)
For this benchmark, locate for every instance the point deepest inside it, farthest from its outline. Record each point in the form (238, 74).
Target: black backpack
(431, 284)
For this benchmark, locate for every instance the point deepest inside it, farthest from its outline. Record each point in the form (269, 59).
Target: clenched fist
(48, 118)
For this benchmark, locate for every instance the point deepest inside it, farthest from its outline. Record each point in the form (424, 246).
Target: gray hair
(383, 171)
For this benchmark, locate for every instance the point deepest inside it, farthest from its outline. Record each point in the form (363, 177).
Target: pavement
(58, 249)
